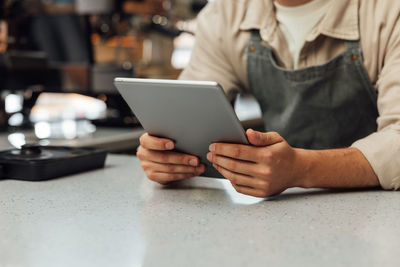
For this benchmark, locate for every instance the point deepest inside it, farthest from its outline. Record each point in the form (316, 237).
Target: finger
(263, 139)
(172, 168)
(167, 157)
(164, 178)
(235, 151)
(249, 191)
(155, 143)
(240, 179)
(234, 165)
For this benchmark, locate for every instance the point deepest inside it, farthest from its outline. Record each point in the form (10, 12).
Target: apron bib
(319, 107)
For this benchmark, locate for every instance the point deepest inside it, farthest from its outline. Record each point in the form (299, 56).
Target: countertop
(116, 217)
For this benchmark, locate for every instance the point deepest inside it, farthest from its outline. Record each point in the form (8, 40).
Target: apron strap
(255, 35)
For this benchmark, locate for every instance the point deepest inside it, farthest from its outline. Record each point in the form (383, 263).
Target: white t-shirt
(298, 21)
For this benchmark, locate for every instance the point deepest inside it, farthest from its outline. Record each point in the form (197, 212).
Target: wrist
(303, 168)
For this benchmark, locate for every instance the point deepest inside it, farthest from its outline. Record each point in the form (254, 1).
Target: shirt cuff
(382, 150)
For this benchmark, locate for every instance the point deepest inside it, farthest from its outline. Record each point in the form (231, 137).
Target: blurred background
(58, 59)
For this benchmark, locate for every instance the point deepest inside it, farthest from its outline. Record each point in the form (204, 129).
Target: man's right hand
(162, 165)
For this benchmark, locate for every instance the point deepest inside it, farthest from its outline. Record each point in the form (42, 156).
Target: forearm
(335, 168)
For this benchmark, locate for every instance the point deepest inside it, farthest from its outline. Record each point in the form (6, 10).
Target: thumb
(263, 139)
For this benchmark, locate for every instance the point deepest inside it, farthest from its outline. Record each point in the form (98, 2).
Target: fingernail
(193, 162)
(212, 147)
(209, 156)
(169, 145)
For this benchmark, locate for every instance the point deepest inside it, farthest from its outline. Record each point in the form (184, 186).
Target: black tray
(37, 163)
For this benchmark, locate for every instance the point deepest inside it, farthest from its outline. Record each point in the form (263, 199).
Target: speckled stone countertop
(116, 217)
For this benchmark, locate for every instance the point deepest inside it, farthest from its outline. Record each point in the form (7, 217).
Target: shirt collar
(340, 22)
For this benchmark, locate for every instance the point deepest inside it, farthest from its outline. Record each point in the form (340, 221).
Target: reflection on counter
(117, 140)
(66, 129)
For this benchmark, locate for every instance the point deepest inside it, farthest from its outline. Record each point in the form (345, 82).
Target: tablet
(193, 114)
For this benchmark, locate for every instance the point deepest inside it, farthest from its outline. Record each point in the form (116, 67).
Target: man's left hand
(267, 168)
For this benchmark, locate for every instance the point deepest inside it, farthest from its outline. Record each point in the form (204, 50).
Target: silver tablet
(192, 113)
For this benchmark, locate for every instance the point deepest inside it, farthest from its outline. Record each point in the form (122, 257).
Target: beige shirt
(223, 33)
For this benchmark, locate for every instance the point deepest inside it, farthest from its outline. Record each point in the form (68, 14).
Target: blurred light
(17, 139)
(39, 115)
(55, 107)
(69, 129)
(13, 103)
(180, 58)
(147, 53)
(157, 19)
(183, 46)
(65, 129)
(44, 142)
(88, 128)
(126, 65)
(160, 20)
(70, 114)
(164, 21)
(42, 130)
(16, 119)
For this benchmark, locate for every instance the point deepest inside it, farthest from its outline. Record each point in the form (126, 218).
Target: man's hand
(162, 165)
(267, 168)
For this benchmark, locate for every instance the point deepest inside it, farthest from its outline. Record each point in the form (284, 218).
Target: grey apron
(326, 106)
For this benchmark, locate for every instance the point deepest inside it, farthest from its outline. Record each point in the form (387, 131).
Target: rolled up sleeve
(209, 61)
(382, 148)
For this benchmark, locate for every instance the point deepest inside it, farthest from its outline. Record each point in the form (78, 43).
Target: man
(326, 76)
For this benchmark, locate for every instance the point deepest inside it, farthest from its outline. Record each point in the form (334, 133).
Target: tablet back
(193, 114)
